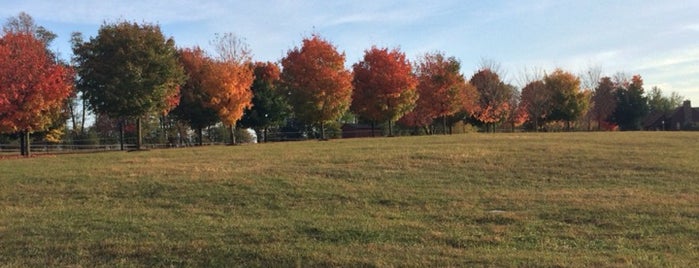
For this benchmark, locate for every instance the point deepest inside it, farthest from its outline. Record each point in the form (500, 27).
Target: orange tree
(318, 85)
(227, 83)
(33, 87)
(384, 86)
(128, 70)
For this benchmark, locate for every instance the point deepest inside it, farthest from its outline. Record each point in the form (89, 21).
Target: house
(684, 117)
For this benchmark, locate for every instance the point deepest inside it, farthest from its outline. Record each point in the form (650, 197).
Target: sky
(657, 39)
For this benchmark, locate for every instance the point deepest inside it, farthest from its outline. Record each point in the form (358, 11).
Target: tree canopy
(33, 87)
(269, 104)
(193, 107)
(494, 100)
(384, 86)
(129, 70)
(318, 85)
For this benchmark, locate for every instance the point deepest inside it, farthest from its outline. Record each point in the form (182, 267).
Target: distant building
(684, 117)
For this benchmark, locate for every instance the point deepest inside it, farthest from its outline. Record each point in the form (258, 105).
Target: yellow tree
(318, 85)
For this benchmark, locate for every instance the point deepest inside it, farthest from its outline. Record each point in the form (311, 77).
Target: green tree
(632, 105)
(657, 102)
(568, 101)
(128, 71)
(269, 104)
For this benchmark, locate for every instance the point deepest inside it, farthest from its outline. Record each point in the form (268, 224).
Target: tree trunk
(200, 135)
(24, 143)
(82, 121)
(21, 144)
(121, 134)
(139, 134)
(372, 129)
(444, 124)
(390, 128)
(322, 130)
(231, 131)
(264, 131)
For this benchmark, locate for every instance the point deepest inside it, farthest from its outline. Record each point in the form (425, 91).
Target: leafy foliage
(657, 102)
(536, 101)
(24, 23)
(568, 102)
(495, 95)
(318, 86)
(384, 86)
(442, 91)
(129, 70)
(193, 107)
(228, 83)
(269, 104)
(631, 104)
(603, 101)
(33, 88)
(518, 113)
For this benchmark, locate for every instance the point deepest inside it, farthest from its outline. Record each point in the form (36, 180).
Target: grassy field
(555, 199)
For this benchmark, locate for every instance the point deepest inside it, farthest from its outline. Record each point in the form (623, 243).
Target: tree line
(130, 72)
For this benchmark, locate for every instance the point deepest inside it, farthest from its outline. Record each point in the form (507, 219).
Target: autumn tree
(536, 100)
(442, 89)
(316, 81)
(384, 86)
(24, 23)
(129, 70)
(269, 104)
(228, 80)
(603, 101)
(631, 104)
(518, 113)
(568, 102)
(33, 87)
(494, 98)
(193, 107)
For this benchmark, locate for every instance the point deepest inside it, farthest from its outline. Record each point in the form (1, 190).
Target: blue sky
(656, 39)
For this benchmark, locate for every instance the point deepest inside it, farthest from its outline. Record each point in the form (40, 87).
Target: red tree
(33, 87)
(442, 91)
(384, 86)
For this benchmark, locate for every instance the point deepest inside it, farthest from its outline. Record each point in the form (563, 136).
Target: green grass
(555, 199)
